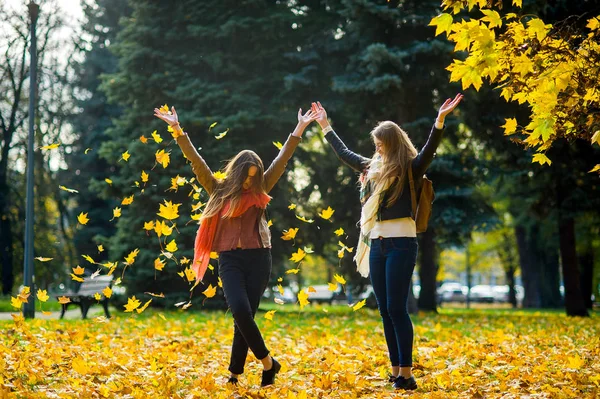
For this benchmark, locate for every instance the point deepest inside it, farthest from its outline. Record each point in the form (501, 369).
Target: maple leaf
(212, 125)
(149, 225)
(269, 314)
(214, 255)
(144, 177)
(332, 287)
(116, 213)
(63, 300)
(359, 305)
(125, 156)
(302, 218)
(339, 279)
(130, 259)
(107, 292)
(339, 232)
(143, 139)
(157, 137)
(541, 159)
(595, 169)
(291, 206)
(190, 274)
(219, 282)
(303, 298)
(41, 259)
(278, 145)
(132, 304)
(100, 249)
(50, 147)
(97, 296)
(510, 126)
(15, 302)
(294, 271)
(169, 210)
(220, 175)
(159, 264)
(269, 223)
(298, 255)
(442, 22)
(108, 180)
(289, 234)
(88, 258)
(162, 158)
(492, 17)
(79, 270)
(82, 218)
(76, 278)
(280, 289)
(127, 200)
(326, 213)
(596, 137)
(140, 310)
(172, 246)
(69, 190)
(210, 291)
(221, 135)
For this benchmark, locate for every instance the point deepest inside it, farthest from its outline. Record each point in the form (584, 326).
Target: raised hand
(448, 106)
(321, 117)
(171, 118)
(303, 121)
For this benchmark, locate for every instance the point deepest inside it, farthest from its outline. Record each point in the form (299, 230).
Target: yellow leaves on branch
(510, 126)
(442, 22)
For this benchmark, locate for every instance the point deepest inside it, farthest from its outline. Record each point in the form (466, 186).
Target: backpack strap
(413, 194)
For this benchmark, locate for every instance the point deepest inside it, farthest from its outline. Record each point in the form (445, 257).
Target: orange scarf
(208, 229)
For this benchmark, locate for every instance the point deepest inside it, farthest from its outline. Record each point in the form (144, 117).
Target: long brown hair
(232, 186)
(399, 151)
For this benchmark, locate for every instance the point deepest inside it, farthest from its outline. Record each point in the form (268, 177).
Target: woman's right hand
(321, 117)
(170, 118)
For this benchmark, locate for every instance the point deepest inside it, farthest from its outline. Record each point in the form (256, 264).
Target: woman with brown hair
(234, 225)
(387, 247)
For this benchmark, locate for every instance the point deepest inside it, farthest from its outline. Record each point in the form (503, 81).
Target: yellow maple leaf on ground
(289, 234)
(82, 218)
(326, 213)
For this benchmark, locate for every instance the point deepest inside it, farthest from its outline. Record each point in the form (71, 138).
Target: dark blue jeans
(245, 274)
(391, 264)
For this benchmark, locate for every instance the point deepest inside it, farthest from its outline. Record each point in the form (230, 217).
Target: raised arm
(199, 166)
(277, 167)
(425, 156)
(352, 159)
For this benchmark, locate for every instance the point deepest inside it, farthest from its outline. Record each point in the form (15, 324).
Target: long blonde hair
(231, 188)
(399, 151)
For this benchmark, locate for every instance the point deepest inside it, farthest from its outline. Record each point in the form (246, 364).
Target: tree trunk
(510, 280)
(529, 269)
(550, 271)
(574, 304)
(428, 272)
(586, 261)
(6, 239)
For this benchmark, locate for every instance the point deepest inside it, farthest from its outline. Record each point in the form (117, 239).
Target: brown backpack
(421, 211)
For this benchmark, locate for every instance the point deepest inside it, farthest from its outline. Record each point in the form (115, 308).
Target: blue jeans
(391, 264)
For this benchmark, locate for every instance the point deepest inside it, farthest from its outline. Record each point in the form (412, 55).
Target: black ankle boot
(268, 376)
(232, 380)
(405, 383)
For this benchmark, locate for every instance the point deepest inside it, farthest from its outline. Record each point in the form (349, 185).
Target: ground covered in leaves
(333, 354)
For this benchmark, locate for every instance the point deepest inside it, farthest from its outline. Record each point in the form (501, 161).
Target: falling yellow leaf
(326, 213)
(63, 300)
(303, 298)
(332, 287)
(149, 225)
(107, 292)
(359, 305)
(116, 213)
(82, 218)
(219, 282)
(302, 218)
(108, 180)
(69, 190)
(159, 264)
(157, 137)
(294, 271)
(339, 279)
(221, 135)
(132, 304)
(79, 270)
(143, 139)
(220, 175)
(76, 278)
(163, 158)
(289, 234)
(87, 150)
(298, 255)
(41, 259)
(269, 314)
(144, 177)
(88, 258)
(278, 145)
(269, 223)
(140, 310)
(280, 289)
(15, 302)
(292, 206)
(50, 147)
(127, 200)
(100, 249)
(169, 210)
(210, 291)
(125, 156)
(97, 296)
(130, 259)
(172, 246)
(339, 232)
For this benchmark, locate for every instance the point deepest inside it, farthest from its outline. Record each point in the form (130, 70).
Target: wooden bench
(84, 295)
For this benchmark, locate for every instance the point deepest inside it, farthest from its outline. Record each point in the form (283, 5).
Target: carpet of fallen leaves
(338, 354)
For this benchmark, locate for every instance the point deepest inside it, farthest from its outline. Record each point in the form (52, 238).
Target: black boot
(268, 376)
(405, 383)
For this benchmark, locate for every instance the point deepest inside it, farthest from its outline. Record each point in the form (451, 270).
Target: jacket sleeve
(425, 156)
(277, 167)
(352, 159)
(199, 166)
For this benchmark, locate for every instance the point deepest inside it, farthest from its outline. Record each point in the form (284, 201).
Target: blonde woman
(387, 249)
(234, 225)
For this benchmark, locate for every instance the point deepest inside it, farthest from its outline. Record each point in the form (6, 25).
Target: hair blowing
(231, 188)
(399, 151)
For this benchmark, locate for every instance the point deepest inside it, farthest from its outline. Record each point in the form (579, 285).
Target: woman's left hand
(448, 106)
(307, 118)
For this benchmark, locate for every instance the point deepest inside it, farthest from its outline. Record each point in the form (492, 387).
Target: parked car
(482, 293)
(452, 292)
